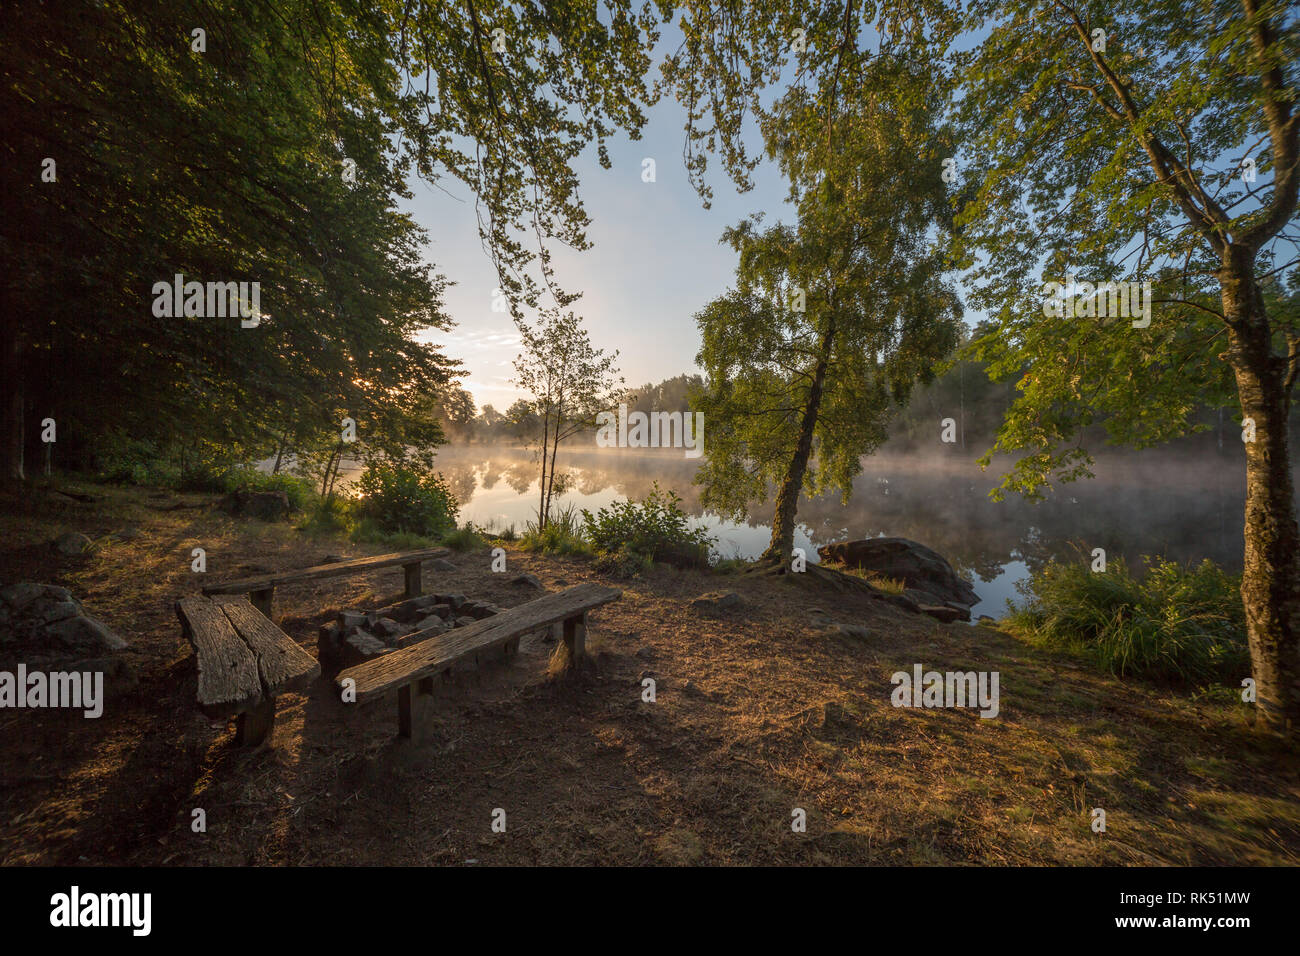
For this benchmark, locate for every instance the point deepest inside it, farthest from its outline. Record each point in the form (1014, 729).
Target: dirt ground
(760, 710)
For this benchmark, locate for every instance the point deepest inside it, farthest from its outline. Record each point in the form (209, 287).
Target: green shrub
(562, 535)
(1178, 624)
(656, 528)
(120, 459)
(300, 491)
(327, 516)
(397, 500)
(623, 563)
(368, 531)
(467, 538)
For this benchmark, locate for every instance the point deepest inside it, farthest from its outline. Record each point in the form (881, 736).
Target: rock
(19, 596)
(985, 619)
(432, 623)
(527, 580)
(454, 600)
(941, 612)
(442, 610)
(963, 612)
(364, 646)
(85, 636)
(713, 603)
(854, 630)
(464, 620)
(646, 653)
(51, 611)
(385, 627)
(440, 564)
(328, 642)
(332, 559)
(71, 543)
(350, 619)
(919, 567)
(129, 533)
(903, 601)
(264, 505)
(836, 716)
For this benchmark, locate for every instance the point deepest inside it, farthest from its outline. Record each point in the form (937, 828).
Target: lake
(1183, 506)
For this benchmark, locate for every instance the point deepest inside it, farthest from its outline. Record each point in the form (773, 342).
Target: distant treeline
(520, 424)
(963, 392)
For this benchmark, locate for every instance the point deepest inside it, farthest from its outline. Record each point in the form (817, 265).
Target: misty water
(1184, 506)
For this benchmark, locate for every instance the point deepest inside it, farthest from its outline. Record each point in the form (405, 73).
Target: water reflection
(1155, 502)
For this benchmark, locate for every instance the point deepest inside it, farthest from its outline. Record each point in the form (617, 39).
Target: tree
(1155, 143)
(523, 422)
(834, 317)
(454, 408)
(223, 161)
(269, 149)
(570, 382)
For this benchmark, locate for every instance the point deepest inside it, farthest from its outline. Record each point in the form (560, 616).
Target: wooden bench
(261, 590)
(244, 661)
(411, 670)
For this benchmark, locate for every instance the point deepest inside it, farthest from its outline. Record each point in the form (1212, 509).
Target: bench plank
(282, 665)
(229, 683)
(246, 585)
(382, 674)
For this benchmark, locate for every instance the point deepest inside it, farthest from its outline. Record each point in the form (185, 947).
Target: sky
(655, 259)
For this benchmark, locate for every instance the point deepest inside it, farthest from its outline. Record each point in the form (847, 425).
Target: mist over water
(1183, 505)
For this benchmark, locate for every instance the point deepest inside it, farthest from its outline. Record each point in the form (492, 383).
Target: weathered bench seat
(261, 590)
(411, 670)
(244, 661)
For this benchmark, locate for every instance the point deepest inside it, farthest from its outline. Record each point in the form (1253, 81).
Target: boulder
(359, 646)
(440, 564)
(386, 627)
(19, 596)
(433, 624)
(920, 568)
(716, 603)
(942, 612)
(264, 505)
(527, 580)
(84, 636)
(71, 543)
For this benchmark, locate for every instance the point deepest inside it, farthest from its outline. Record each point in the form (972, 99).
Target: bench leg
(254, 726)
(413, 705)
(262, 601)
(575, 636)
(414, 588)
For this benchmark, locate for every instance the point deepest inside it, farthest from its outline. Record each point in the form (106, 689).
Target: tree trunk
(787, 499)
(279, 453)
(1270, 580)
(12, 440)
(541, 483)
(555, 449)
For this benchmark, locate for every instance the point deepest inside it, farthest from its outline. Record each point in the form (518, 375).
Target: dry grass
(758, 711)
